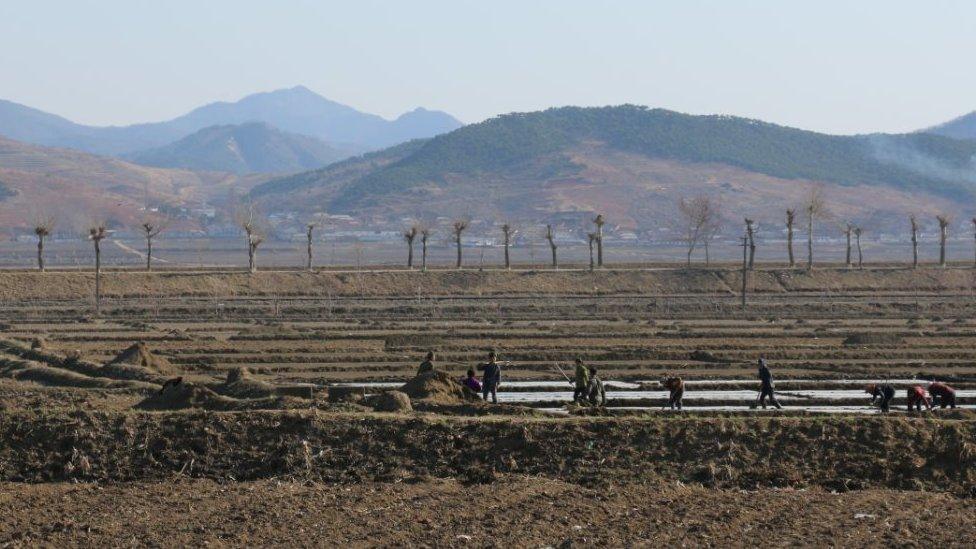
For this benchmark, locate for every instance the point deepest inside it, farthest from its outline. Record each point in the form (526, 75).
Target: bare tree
(459, 226)
(943, 236)
(409, 236)
(591, 238)
(151, 229)
(816, 208)
(697, 215)
(857, 239)
(425, 233)
(551, 237)
(599, 221)
(96, 233)
(507, 232)
(790, 221)
(711, 229)
(914, 222)
(751, 235)
(309, 229)
(848, 230)
(248, 219)
(43, 227)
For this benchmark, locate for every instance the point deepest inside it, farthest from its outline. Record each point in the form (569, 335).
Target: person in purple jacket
(471, 382)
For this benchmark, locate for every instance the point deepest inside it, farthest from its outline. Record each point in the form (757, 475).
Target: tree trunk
(943, 233)
(40, 253)
(423, 256)
(591, 254)
(148, 253)
(599, 246)
(98, 277)
(810, 244)
(789, 242)
(752, 246)
(555, 265)
(410, 254)
(848, 260)
(690, 250)
(707, 259)
(458, 240)
(914, 249)
(308, 250)
(860, 257)
(508, 264)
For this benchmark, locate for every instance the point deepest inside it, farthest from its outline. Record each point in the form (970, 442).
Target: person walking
(766, 386)
(492, 377)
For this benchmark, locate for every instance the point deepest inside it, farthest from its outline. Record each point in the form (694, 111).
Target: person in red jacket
(942, 394)
(916, 397)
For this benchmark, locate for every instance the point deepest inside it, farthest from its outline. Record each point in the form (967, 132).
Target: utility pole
(745, 268)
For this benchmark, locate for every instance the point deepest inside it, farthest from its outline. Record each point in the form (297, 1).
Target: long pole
(745, 268)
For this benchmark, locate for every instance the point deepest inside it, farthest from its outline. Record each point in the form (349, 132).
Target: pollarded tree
(151, 229)
(974, 235)
(857, 240)
(790, 221)
(599, 221)
(551, 238)
(943, 236)
(507, 232)
(425, 233)
(848, 231)
(43, 227)
(250, 221)
(459, 227)
(914, 224)
(751, 235)
(309, 229)
(96, 233)
(591, 238)
(815, 208)
(409, 236)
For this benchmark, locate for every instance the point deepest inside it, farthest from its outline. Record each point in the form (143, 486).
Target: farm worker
(595, 391)
(766, 387)
(916, 397)
(471, 382)
(677, 388)
(427, 365)
(883, 391)
(942, 394)
(492, 378)
(582, 379)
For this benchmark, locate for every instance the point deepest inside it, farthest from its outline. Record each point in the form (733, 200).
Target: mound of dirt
(436, 387)
(242, 384)
(873, 339)
(391, 401)
(182, 396)
(138, 354)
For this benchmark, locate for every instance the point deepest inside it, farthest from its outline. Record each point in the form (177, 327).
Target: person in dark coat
(676, 388)
(427, 365)
(492, 377)
(883, 391)
(942, 395)
(766, 385)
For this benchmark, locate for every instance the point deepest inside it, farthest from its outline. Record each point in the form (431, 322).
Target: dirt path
(513, 511)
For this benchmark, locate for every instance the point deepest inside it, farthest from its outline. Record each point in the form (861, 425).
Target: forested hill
(530, 147)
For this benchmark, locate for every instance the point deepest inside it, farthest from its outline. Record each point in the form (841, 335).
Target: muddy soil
(511, 511)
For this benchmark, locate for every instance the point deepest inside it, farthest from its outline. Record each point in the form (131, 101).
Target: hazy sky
(837, 66)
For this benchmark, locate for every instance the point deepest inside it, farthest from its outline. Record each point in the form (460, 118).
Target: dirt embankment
(835, 453)
(24, 285)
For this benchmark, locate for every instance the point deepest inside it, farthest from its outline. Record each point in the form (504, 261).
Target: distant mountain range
(296, 110)
(635, 162)
(253, 147)
(963, 127)
(78, 187)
